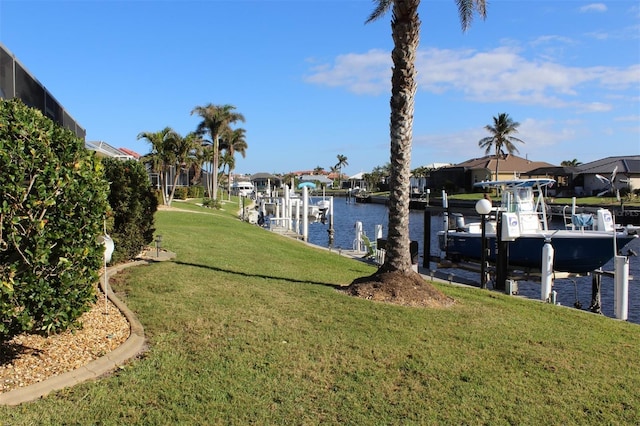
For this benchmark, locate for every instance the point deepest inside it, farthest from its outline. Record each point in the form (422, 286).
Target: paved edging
(132, 347)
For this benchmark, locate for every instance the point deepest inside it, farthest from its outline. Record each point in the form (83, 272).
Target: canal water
(569, 291)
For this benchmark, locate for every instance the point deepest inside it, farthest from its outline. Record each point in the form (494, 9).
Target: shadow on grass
(269, 277)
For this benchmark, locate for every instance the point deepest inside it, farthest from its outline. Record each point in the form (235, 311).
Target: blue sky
(313, 81)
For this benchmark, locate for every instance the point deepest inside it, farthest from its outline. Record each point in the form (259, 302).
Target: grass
(245, 327)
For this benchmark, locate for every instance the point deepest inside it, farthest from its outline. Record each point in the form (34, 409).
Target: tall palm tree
(342, 162)
(180, 156)
(232, 142)
(216, 119)
(159, 157)
(501, 137)
(405, 31)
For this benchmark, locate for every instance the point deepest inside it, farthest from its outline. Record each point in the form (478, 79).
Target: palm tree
(227, 160)
(571, 163)
(180, 156)
(501, 137)
(318, 170)
(342, 161)
(405, 31)
(232, 142)
(159, 157)
(216, 119)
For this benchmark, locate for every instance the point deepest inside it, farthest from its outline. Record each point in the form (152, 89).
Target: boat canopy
(516, 183)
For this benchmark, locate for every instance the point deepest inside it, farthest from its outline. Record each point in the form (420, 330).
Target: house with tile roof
(462, 176)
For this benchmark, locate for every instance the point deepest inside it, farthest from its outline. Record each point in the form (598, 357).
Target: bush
(181, 193)
(196, 191)
(212, 204)
(133, 203)
(54, 200)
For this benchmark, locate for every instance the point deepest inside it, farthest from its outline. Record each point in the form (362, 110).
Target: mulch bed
(27, 358)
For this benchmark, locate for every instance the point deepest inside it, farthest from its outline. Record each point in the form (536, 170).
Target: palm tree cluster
(172, 153)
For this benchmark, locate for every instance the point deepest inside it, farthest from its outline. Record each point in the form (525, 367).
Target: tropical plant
(233, 141)
(159, 157)
(342, 162)
(227, 161)
(318, 170)
(421, 173)
(54, 201)
(181, 157)
(571, 163)
(133, 205)
(216, 120)
(501, 138)
(405, 31)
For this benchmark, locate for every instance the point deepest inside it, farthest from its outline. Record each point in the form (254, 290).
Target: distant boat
(242, 189)
(583, 249)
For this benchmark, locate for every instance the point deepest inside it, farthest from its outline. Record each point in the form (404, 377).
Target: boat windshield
(519, 200)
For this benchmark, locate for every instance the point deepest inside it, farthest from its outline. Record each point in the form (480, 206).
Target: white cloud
(362, 73)
(502, 74)
(594, 7)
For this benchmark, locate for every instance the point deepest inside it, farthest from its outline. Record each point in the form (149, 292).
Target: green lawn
(245, 327)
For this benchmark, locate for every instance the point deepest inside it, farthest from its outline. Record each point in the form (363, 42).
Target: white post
(546, 279)
(378, 232)
(445, 206)
(287, 208)
(295, 217)
(357, 242)
(621, 287)
(331, 212)
(305, 213)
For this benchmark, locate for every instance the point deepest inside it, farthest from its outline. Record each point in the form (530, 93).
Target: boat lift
(506, 278)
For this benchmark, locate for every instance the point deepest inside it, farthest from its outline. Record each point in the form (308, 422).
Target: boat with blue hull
(583, 247)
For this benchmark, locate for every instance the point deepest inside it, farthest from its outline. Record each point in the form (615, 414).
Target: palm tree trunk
(173, 187)
(216, 160)
(163, 184)
(406, 34)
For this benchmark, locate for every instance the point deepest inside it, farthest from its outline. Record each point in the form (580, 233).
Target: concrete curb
(132, 347)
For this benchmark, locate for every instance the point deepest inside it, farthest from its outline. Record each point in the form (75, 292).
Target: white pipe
(287, 207)
(331, 213)
(305, 213)
(357, 242)
(546, 279)
(621, 287)
(297, 216)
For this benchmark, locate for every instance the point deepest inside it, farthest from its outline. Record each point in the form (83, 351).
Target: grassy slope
(246, 327)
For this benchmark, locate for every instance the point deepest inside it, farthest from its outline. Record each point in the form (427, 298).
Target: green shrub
(181, 193)
(196, 191)
(212, 204)
(52, 211)
(133, 203)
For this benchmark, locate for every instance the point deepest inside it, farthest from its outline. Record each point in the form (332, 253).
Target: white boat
(585, 248)
(242, 189)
